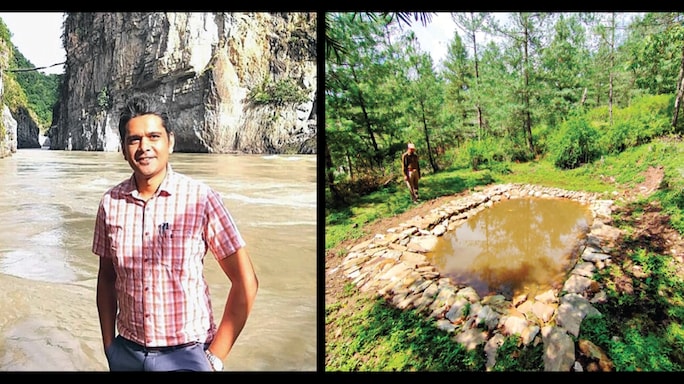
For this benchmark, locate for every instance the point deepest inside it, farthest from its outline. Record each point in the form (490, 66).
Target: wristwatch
(216, 363)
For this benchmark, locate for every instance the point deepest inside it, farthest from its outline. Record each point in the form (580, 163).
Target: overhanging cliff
(233, 82)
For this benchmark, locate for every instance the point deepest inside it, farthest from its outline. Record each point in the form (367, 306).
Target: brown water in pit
(516, 246)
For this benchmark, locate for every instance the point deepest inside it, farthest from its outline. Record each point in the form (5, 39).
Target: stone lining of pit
(393, 265)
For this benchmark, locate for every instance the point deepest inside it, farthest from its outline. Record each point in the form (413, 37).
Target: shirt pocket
(179, 247)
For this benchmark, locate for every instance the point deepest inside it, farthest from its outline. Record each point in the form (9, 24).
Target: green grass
(643, 330)
(389, 339)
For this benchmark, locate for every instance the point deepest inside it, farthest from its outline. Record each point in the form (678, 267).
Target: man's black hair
(139, 105)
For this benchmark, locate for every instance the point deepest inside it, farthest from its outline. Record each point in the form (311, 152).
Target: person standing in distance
(411, 170)
(151, 234)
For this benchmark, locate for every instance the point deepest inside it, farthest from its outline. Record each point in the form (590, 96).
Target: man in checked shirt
(151, 233)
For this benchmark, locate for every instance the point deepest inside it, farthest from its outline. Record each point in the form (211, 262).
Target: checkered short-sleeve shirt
(158, 250)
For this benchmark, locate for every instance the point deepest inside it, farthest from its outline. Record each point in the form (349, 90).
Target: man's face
(411, 150)
(147, 145)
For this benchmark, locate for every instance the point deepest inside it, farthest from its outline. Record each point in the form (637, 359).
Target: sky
(38, 36)
(435, 37)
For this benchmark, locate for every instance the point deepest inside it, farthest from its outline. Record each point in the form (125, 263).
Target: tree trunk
(433, 163)
(349, 165)
(376, 157)
(680, 92)
(480, 123)
(527, 118)
(337, 198)
(610, 73)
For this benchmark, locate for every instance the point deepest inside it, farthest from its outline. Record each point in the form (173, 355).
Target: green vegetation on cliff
(34, 90)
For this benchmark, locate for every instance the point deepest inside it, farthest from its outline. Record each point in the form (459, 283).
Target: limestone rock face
(8, 141)
(27, 129)
(210, 69)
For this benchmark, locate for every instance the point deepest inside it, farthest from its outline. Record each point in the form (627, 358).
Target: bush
(484, 153)
(619, 137)
(574, 144)
(279, 93)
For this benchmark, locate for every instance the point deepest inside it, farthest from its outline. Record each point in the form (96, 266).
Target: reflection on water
(48, 202)
(516, 246)
(43, 250)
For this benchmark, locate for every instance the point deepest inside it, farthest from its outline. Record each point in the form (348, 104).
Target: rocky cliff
(8, 132)
(8, 126)
(233, 82)
(27, 129)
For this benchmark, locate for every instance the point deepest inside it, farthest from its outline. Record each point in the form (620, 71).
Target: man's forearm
(244, 285)
(238, 307)
(106, 310)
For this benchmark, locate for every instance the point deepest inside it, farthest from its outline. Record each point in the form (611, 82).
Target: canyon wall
(232, 82)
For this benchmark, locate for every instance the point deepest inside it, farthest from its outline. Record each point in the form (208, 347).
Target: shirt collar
(164, 187)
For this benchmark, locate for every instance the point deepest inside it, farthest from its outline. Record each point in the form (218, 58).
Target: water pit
(522, 245)
(507, 242)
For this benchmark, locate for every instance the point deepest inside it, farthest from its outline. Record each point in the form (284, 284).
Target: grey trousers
(125, 355)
